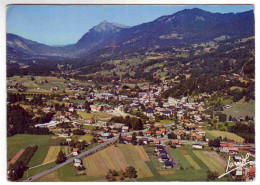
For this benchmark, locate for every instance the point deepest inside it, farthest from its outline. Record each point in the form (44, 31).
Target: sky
(66, 24)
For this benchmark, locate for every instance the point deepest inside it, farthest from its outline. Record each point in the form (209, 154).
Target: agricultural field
(85, 115)
(241, 109)
(98, 164)
(212, 134)
(86, 137)
(19, 141)
(117, 158)
(194, 168)
(52, 154)
(164, 122)
(212, 160)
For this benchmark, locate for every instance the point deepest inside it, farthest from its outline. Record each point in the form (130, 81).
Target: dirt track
(14, 159)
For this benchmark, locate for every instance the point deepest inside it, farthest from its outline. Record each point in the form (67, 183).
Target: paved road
(71, 159)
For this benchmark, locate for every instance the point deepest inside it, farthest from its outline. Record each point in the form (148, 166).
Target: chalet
(75, 151)
(168, 164)
(197, 146)
(233, 150)
(125, 129)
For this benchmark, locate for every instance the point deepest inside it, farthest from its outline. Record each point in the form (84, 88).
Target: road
(71, 159)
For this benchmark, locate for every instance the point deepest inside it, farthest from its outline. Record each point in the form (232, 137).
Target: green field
(86, 137)
(187, 158)
(241, 109)
(19, 141)
(85, 115)
(212, 134)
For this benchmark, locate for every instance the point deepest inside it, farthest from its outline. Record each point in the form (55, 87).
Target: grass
(179, 156)
(38, 156)
(85, 115)
(241, 109)
(211, 162)
(165, 122)
(117, 158)
(86, 137)
(212, 134)
(37, 170)
(52, 154)
(17, 142)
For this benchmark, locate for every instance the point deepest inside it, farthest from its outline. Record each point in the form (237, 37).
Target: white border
(180, 2)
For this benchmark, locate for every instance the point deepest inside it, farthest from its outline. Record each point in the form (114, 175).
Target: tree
(212, 175)
(131, 172)
(60, 157)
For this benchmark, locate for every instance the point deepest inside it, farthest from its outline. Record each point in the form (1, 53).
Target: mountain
(98, 36)
(180, 29)
(187, 27)
(29, 47)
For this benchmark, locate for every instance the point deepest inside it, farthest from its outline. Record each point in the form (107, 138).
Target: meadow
(212, 134)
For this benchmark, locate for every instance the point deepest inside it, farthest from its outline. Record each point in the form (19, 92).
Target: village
(185, 124)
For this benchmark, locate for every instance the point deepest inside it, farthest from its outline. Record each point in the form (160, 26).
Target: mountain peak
(108, 26)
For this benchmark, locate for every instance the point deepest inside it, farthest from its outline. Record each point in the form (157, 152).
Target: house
(165, 113)
(239, 171)
(77, 162)
(106, 135)
(148, 133)
(75, 151)
(145, 140)
(156, 142)
(125, 129)
(163, 130)
(197, 146)
(159, 147)
(161, 152)
(225, 147)
(168, 164)
(163, 158)
(149, 112)
(199, 137)
(233, 150)
(176, 142)
(178, 134)
(128, 139)
(251, 172)
(158, 134)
